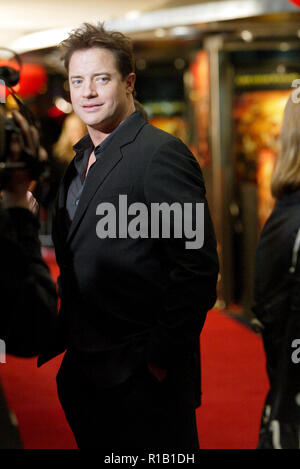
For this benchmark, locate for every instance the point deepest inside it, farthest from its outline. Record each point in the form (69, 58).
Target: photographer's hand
(15, 191)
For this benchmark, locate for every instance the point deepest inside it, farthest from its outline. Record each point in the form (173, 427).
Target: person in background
(277, 292)
(28, 294)
(60, 155)
(73, 129)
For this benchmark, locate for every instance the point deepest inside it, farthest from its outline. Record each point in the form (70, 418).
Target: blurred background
(217, 74)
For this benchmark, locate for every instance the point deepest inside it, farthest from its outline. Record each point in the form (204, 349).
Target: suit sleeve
(174, 176)
(28, 295)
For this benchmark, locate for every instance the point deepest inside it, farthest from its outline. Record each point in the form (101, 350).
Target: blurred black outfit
(28, 295)
(277, 306)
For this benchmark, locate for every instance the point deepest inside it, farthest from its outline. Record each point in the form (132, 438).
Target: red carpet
(234, 387)
(234, 383)
(31, 395)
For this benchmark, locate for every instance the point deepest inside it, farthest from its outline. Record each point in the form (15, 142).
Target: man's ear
(130, 82)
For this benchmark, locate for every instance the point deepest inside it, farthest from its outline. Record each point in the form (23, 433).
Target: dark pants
(284, 384)
(140, 413)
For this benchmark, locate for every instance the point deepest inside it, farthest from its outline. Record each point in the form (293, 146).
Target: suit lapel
(104, 165)
(62, 194)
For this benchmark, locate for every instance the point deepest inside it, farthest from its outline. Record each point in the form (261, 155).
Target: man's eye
(76, 82)
(102, 79)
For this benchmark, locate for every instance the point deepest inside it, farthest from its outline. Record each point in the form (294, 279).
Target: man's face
(99, 95)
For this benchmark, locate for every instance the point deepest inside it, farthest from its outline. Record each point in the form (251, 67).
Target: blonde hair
(73, 130)
(286, 174)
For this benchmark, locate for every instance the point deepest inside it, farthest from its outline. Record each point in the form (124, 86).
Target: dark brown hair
(90, 35)
(139, 107)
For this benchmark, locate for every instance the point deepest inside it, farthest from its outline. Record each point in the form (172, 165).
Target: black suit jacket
(119, 290)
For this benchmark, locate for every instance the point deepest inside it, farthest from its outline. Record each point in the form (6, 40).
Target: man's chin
(104, 125)
(97, 125)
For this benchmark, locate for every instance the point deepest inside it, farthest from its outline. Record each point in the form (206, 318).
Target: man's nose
(89, 89)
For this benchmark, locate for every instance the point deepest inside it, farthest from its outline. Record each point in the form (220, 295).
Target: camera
(8, 130)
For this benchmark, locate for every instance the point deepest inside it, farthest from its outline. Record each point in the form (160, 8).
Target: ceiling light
(160, 32)
(141, 64)
(179, 63)
(284, 46)
(247, 36)
(181, 31)
(281, 68)
(39, 40)
(132, 15)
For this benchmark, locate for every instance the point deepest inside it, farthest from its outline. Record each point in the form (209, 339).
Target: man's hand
(15, 192)
(159, 373)
(32, 203)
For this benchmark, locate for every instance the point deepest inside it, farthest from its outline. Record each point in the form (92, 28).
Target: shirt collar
(85, 143)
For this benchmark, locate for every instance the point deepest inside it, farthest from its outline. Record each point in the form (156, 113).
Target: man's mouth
(91, 107)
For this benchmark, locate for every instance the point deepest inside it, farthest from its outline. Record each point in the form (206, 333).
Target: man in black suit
(133, 297)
